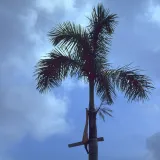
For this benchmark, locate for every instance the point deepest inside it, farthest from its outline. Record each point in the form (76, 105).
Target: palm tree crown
(82, 52)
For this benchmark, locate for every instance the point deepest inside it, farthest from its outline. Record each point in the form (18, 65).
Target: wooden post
(81, 143)
(85, 140)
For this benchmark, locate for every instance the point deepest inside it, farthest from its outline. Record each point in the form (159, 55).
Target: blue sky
(34, 126)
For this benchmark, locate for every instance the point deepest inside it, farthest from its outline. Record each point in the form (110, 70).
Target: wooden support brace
(81, 143)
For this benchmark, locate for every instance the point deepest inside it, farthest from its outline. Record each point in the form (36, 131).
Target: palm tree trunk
(93, 145)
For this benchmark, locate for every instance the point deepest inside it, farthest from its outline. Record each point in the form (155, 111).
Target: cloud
(50, 6)
(153, 12)
(23, 111)
(70, 83)
(132, 8)
(153, 145)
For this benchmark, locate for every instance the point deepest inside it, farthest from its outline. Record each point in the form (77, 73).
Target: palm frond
(52, 69)
(135, 85)
(82, 52)
(102, 19)
(101, 26)
(103, 110)
(104, 87)
(71, 36)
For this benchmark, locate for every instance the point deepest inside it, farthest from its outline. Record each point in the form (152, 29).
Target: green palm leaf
(101, 26)
(102, 110)
(136, 86)
(105, 88)
(52, 69)
(71, 36)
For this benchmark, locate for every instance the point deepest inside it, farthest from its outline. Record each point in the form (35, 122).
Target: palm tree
(82, 53)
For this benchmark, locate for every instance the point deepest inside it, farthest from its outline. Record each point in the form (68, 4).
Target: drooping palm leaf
(102, 110)
(135, 85)
(105, 88)
(52, 69)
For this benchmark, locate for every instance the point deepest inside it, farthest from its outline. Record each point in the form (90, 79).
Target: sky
(40, 126)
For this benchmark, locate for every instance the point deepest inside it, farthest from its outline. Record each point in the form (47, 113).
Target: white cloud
(50, 5)
(70, 84)
(24, 111)
(82, 84)
(81, 15)
(153, 12)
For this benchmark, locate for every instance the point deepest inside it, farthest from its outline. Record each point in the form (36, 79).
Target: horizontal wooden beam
(81, 143)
